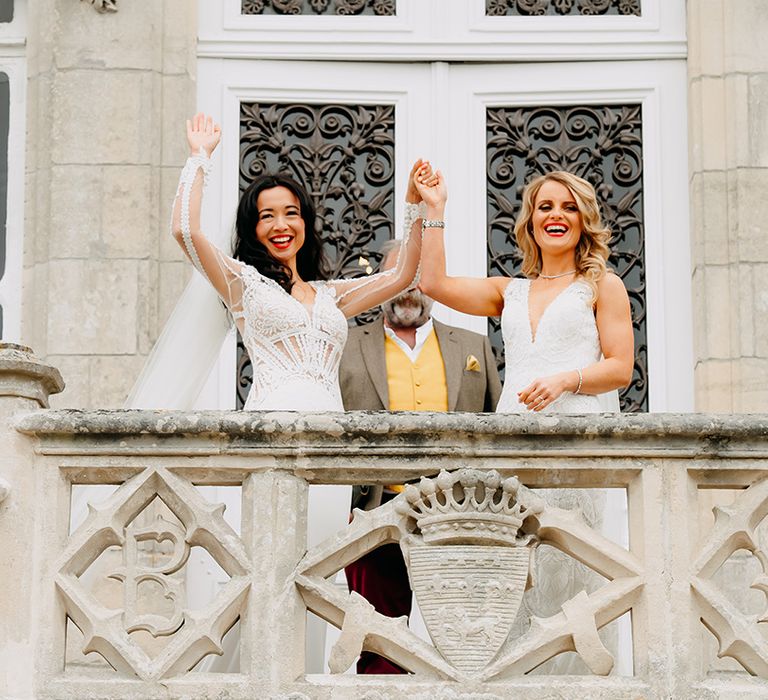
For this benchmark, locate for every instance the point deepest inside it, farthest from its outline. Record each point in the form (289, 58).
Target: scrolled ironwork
(500, 8)
(602, 144)
(319, 7)
(344, 156)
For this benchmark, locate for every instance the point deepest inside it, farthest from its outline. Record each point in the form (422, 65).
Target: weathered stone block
(705, 37)
(39, 199)
(714, 386)
(744, 330)
(759, 307)
(112, 377)
(179, 94)
(713, 124)
(130, 38)
(179, 36)
(712, 305)
(146, 305)
(126, 212)
(757, 127)
(745, 24)
(695, 126)
(736, 107)
(92, 307)
(112, 126)
(749, 192)
(34, 302)
(76, 191)
(76, 371)
(753, 384)
(709, 218)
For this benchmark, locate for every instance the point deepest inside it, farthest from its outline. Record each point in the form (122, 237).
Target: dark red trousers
(381, 577)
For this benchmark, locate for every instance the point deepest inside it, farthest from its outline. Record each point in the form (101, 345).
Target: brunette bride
(293, 322)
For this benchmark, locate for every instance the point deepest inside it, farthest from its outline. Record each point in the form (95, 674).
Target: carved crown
(469, 506)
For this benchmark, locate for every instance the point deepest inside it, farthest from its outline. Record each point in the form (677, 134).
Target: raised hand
(412, 194)
(431, 187)
(203, 132)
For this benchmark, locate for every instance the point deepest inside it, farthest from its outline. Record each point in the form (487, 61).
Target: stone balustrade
(470, 529)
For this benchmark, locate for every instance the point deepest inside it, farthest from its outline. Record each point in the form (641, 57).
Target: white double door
(440, 114)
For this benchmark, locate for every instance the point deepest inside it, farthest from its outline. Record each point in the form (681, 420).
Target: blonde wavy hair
(592, 249)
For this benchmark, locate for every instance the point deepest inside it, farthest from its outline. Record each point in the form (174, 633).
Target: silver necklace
(554, 277)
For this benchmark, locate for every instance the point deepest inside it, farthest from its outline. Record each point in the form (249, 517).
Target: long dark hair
(310, 261)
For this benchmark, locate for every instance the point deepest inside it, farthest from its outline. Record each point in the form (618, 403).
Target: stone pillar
(25, 385)
(108, 93)
(728, 107)
(274, 527)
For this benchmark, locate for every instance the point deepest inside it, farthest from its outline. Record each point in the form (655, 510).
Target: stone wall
(107, 96)
(728, 108)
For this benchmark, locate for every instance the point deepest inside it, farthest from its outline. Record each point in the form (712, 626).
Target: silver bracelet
(433, 223)
(581, 379)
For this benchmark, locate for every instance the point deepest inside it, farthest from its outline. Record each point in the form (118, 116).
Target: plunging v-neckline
(534, 333)
(309, 310)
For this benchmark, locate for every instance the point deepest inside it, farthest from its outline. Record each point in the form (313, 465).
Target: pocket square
(473, 365)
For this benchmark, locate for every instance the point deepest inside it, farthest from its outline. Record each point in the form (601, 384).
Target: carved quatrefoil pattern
(735, 528)
(105, 629)
(574, 627)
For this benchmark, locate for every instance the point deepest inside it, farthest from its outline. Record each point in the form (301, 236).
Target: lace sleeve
(223, 272)
(358, 295)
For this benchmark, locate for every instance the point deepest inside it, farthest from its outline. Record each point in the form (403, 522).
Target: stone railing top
(437, 433)
(22, 374)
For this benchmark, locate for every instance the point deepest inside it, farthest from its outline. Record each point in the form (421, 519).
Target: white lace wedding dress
(295, 349)
(566, 338)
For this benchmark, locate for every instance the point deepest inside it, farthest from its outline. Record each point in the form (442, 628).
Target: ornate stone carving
(103, 5)
(344, 156)
(496, 8)
(463, 514)
(25, 376)
(736, 527)
(600, 143)
(468, 559)
(318, 7)
(194, 633)
(132, 575)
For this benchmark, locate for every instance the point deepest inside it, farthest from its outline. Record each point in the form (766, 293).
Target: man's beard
(410, 310)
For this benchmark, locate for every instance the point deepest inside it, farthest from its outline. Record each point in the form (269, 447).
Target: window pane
(318, 7)
(602, 144)
(344, 155)
(588, 8)
(6, 10)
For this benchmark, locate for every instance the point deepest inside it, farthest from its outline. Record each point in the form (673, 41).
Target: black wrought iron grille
(602, 144)
(318, 7)
(6, 11)
(344, 155)
(500, 8)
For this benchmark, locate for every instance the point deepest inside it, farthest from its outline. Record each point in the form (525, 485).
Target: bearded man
(406, 361)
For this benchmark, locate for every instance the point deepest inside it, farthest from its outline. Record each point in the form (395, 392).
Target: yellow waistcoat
(417, 386)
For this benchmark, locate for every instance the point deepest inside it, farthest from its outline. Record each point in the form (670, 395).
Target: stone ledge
(449, 433)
